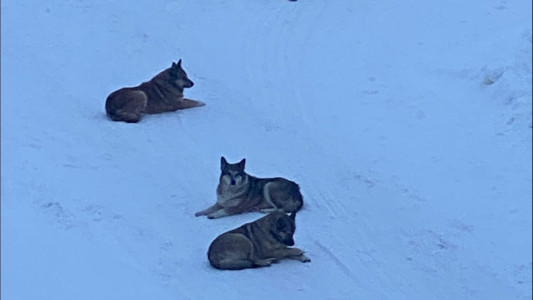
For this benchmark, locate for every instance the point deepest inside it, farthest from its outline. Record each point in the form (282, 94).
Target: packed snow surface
(407, 125)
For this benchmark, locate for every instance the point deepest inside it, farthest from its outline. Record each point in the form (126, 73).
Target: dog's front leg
(265, 262)
(218, 214)
(301, 258)
(188, 103)
(268, 210)
(208, 210)
(294, 253)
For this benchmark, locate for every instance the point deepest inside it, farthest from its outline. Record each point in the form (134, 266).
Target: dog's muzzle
(289, 241)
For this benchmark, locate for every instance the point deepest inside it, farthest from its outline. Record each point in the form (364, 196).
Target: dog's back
(126, 104)
(230, 252)
(280, 193)
(271, 194)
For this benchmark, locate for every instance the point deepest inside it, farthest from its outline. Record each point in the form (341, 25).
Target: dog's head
(282, 227)
(232, 174)
(178, 76)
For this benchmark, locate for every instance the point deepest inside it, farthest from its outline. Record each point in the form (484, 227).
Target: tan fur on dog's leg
(265, 262)
(208, 210)
(268, 210)
(188, 103)
(218, 214)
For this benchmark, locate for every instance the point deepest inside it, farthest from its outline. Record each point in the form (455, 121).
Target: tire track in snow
(274, 60)
(338, 262)
(268, 56)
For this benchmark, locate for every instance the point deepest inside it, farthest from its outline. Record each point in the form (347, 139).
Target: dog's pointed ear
(293, 216)
(179, 63)
(223, 162)
(242, 163)
(173, 65)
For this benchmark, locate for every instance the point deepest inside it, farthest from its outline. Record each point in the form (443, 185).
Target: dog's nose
(289, 242)
(233, 182)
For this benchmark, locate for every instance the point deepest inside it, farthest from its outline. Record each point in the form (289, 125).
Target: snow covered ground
(407, 125)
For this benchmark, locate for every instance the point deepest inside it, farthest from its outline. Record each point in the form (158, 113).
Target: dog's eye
(280, 225)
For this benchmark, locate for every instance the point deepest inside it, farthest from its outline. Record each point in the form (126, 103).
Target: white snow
(407, 125)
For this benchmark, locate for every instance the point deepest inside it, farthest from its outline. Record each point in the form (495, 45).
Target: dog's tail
(298, 200)
(124, 116)
(223, 264)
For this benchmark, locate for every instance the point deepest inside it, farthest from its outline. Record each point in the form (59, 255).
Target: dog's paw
(193, 103)
(265, 262)
(198, 214)
(304, 259)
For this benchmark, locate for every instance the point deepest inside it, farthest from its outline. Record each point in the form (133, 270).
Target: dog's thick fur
(163, 93)
(239, 192)
(256, 244)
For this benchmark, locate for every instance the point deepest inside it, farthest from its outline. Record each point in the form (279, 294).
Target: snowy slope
(407, 126)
